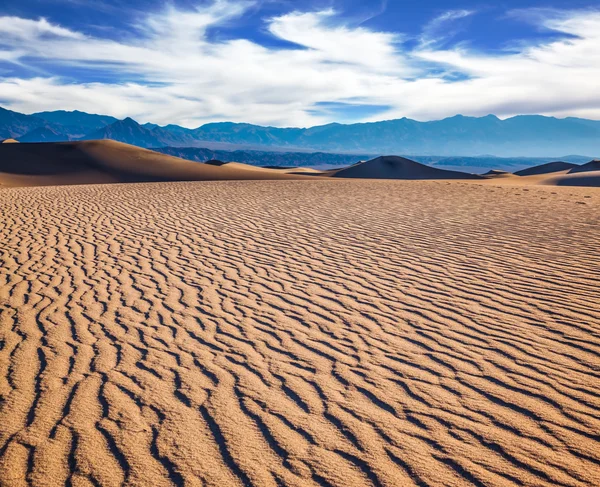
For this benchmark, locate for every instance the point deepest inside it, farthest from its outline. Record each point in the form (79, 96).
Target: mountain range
(524, 136)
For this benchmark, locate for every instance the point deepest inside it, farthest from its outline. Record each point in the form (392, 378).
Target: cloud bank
(168, 69)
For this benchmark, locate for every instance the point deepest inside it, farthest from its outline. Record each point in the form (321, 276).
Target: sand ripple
(331, 333)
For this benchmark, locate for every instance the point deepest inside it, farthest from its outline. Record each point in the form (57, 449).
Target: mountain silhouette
(131, 132)
(520, 136)
(76, 124)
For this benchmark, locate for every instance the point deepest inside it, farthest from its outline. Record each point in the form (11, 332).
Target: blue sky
(300, 63)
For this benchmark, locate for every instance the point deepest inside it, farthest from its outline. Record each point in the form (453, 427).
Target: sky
(300, 62)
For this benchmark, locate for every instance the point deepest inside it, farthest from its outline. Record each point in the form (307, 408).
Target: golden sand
(301, 333)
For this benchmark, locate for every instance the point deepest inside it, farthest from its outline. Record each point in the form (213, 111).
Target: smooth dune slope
(395, 167)
(105, 161)
(299, 333)
(497, 173)
(540, 176)
(592, 166)
(587, 178)
(547, 168)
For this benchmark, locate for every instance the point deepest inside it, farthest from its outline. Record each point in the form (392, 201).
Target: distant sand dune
(108, 161)
(592, 166)
(496, 173)
(394, 167)
(559, 178)
(301, 333)
(549, 167)
(588, 178)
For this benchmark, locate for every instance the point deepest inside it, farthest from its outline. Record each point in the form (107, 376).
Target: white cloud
(441, 27)
(27, 30)
(177, 74)
(360, 47)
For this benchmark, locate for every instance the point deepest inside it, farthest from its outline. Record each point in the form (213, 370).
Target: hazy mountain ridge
(522, 136)
(468, 136)
(311, 159)
(264, 158)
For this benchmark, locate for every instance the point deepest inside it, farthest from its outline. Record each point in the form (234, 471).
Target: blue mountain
(522, 136)
(76, 123)
(14, 124)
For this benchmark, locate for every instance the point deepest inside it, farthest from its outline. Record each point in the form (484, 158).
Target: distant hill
(521, 136)
(394, 167)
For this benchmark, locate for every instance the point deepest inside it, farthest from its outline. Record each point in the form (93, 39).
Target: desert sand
(322, 332)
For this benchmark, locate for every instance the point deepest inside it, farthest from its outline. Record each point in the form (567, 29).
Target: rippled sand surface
(301, 333)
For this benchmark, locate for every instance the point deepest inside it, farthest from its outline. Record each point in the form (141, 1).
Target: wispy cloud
(16, 28)
(442, 27)
(183, 76)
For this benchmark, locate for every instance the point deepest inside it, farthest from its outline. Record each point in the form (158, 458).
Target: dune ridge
(592, 166)
(549, 167)
(580, 178)
(395, 167)
(107, 161)
(305, 333)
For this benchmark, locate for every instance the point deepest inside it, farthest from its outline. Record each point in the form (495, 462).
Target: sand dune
(559, 178)
(588, 178)
(96, 162)
(497, 173)
(549, 167)
(592, 166)
(299, 333)
(394, 167)
(108, 161)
